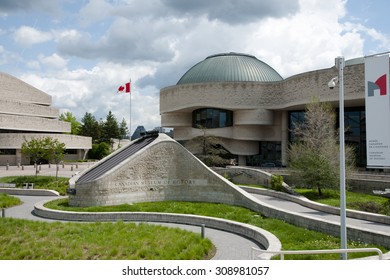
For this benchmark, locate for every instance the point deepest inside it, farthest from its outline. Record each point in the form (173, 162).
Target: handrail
(313, 252)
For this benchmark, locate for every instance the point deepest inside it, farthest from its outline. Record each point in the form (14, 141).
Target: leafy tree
(44, 148)
(208, 149)
(56, 152)
(90, 127)
(75, 125)
(314, 156)
(99, 151)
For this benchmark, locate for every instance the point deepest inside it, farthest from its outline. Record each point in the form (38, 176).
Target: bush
(277, 182)
(99, 151)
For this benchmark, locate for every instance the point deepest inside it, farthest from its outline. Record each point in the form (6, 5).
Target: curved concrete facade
(260, 109)
(26, 113)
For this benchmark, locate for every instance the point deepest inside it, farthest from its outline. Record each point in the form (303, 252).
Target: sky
(81, 51)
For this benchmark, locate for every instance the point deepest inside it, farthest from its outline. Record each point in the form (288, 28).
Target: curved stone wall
(264, 238)
(260, 109)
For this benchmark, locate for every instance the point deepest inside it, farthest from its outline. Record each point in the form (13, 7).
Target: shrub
(277, 182)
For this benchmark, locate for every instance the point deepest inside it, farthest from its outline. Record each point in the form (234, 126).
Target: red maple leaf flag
(125, 88)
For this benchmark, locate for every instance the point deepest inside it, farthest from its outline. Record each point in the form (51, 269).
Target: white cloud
(27, 36)
(53, 61)
(155, 42)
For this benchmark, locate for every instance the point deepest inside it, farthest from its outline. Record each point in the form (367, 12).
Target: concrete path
(229, 246)
(305, 211)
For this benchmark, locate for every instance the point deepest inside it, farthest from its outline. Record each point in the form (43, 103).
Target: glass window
(212, 118)
(355, 129)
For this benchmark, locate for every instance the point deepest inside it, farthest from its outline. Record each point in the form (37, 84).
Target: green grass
(291, 237)
(40, 182)
(355, 201)
(7, 201)
(32, 240)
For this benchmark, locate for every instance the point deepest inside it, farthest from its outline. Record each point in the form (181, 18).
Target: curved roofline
(232, 54)
(230, 67)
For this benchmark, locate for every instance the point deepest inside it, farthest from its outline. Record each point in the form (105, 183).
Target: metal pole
(130, 93)
(343, 228)
(202, 230)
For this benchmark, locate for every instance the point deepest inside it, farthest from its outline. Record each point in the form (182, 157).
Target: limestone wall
(17, 90)
(11, 107)
(163, 170)
(27, 123)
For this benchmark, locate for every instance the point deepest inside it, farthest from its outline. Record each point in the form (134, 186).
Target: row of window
(212, 118)
(354, 120)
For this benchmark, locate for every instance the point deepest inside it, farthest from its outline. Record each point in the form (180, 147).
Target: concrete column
(284, 144)
(18, 155)
(241, 160)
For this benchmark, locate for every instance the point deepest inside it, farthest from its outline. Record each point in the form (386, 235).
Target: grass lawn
(292, 237)
(7, 201)
(355, 201)
(40, 182)
(32, 240)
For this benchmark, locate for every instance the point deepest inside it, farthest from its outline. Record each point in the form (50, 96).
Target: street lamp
(340, 63)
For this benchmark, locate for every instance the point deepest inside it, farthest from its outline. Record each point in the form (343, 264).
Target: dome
(230, 67)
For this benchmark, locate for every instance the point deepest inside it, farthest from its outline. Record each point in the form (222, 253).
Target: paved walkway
(229, 246)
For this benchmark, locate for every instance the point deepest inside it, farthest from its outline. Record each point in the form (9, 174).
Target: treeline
(101, 131)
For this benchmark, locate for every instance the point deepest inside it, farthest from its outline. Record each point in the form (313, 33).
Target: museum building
(251, 108)
(26, 113)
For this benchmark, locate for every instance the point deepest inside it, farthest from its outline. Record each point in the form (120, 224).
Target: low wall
(321, 225)
(321, 207)
(264, 238)
(34, 192)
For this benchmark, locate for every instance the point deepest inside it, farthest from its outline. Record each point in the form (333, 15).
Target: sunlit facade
(26, 113)
(251, 108)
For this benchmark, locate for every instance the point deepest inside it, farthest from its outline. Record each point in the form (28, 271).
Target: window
(212, 118)
(355, 129)
(7, 151)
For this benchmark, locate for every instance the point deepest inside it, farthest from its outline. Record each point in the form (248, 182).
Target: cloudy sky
(81, 51)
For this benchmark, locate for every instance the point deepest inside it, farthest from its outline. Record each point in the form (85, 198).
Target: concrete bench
(28, 186)
(7, 185)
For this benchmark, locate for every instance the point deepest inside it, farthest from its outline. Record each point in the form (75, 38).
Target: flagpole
(130, 112)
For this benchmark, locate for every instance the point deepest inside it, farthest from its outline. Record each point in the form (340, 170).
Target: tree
(41, 149)
(56, 152)
(110, 128)
(74, 124)
(90, 127)
(99, 151)
(314, 155)
(208, 149)
(123, 129)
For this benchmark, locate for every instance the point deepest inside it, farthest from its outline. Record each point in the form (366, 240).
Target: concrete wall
(163, 170)
(17, 90)
(260, 109)
(15, 141)
(28, 123)
(11, 107)
(24, 108)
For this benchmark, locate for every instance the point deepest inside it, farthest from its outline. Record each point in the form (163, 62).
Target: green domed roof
(230, 67)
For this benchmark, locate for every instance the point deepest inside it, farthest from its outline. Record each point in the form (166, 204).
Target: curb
(264, 238)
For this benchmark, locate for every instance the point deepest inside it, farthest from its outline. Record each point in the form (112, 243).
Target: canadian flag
(125, 88)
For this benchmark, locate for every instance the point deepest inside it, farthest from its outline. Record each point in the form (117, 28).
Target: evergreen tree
(124, 130)
(90, 127)
(111, 128)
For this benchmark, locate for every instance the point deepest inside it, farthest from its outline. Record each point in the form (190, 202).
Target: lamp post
(340, 63)
(343, 227)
